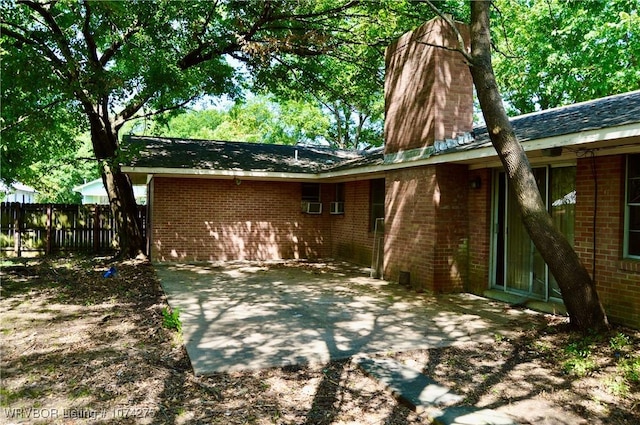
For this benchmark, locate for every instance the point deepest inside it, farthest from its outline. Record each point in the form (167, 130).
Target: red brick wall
(479, 231)
(410, 225)
(428, 90)
(617, 279)
(203, 219)
(452, 227)
(427, 226)
(352, 239)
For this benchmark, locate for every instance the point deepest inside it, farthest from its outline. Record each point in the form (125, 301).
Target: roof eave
(477, 157)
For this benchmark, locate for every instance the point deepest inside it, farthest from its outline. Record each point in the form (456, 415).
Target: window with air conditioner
(337, 206)
(311, 198)
(313, 207)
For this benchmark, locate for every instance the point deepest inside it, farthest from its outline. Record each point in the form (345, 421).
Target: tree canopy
(257, 119)
(138, 59)
(556, 52)
(106, 62)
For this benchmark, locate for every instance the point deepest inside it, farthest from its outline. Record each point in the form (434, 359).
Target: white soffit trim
(585, 137)
(577, 140)
(219, 174)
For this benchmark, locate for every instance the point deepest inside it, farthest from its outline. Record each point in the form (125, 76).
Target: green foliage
(56, 177)
(617, 386)
(348, 80)
(171, 319)
(127, 57)
(628, 358)
(559, 52)
(578, 360)
(630, 368)
(578, 363)
(322, 60)
(619, 341)
(257, 119)
(198, 124)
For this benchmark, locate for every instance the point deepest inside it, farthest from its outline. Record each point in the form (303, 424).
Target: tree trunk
(125, 210)
(578, 289)
(119, 189)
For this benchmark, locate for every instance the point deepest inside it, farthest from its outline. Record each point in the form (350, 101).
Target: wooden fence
(35, 229)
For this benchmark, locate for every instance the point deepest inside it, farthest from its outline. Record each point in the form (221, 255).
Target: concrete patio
(242, 316)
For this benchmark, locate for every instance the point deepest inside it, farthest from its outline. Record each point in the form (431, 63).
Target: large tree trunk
(125, 210)
(119, 188)
(578, 289)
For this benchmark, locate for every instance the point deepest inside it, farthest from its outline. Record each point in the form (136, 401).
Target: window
(339, 192)
(376, 197)
(632, 208)
(311, 192)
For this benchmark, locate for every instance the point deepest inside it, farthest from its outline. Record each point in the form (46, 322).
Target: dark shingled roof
(612, 111)
(155, 152)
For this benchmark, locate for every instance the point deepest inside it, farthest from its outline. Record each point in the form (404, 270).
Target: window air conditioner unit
(312, 207)
(337, 208)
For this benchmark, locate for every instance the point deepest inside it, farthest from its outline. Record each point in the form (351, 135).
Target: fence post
(49, 225)
(17, 231)
(96, 228)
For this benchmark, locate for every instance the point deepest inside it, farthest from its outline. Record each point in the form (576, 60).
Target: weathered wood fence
(35, 229)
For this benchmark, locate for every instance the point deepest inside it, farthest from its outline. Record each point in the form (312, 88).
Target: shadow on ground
(252, 316)
(73, 340)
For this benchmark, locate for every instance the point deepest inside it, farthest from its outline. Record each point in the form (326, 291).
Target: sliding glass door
(519, 267)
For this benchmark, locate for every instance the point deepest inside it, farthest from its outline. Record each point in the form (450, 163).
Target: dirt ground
(81, 348)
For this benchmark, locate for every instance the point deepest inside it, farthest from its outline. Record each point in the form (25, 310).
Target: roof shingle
(171, 153)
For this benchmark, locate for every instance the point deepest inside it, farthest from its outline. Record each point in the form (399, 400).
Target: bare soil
(81, 348)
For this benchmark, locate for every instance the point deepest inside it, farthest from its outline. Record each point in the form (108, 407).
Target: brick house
(449, 222)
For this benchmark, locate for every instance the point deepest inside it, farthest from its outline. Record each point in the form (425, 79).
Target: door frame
(494, 260)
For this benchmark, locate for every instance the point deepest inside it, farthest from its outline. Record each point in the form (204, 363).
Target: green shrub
(171, 319)
(630, 368)
(578, 358)
(619, 341)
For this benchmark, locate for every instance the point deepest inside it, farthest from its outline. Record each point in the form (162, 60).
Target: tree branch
(504, 34)
(42, 48)
(133, 107)
(37, 111)
(447, 18)
(71, 67)
(328, 12)
(116, 45)
(58, 35)
(120, 122)
(198, 55)
(92, 48)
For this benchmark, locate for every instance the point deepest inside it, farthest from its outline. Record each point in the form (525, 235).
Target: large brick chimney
(428, 90)
(428, 102)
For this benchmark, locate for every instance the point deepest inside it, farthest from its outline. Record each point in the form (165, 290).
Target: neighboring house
(94, 192)
(450, 222)
(18, 192)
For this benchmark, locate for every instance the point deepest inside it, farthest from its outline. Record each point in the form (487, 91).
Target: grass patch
(617, 386)
(630, 368)
(578, 355)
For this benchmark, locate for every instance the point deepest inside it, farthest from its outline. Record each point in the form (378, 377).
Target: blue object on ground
(110, 273)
